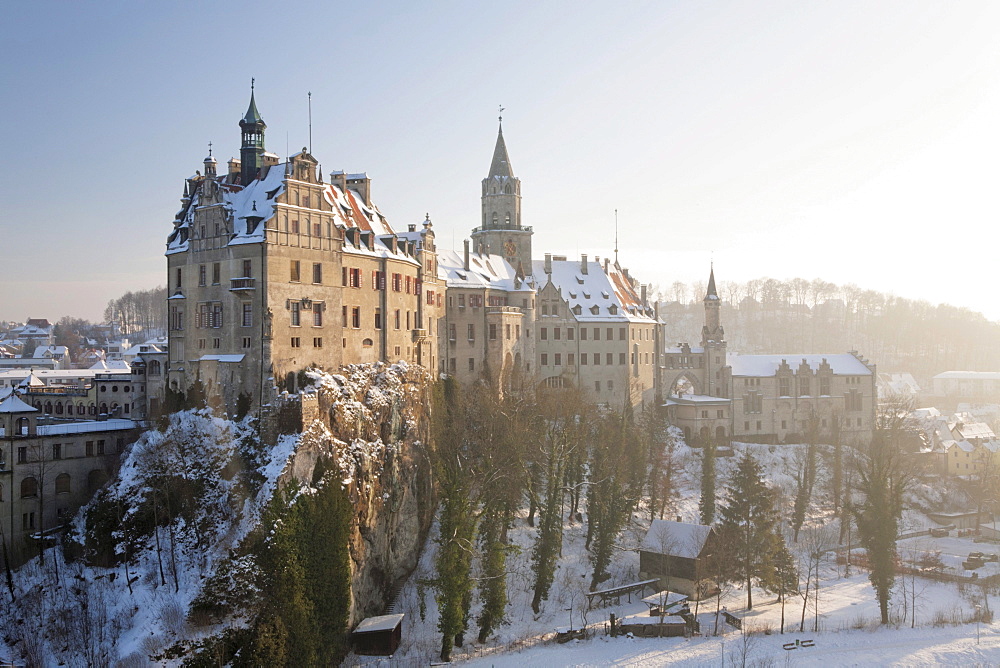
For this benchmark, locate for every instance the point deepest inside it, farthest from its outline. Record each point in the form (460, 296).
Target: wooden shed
(675, 553)
(378, 635)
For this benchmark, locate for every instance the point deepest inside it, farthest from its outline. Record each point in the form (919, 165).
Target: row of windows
(48, 408)
(351, 317)
(63, 450)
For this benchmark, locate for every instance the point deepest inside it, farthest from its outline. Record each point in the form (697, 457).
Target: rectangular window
(451, 332)
(472, 364)
(784, 388)
(317, 272)
(556, 333)
(461, 301)
(571, 359)
(609, 359)
(623, 334)
(317, 315)
(296, 342)
(804, 386)
(597, 386)
(570, 333)
(216, 343)
(27, 521)
(583, 333)
(317, 342)
(356, 317)
(202, 273)
(545, 359)
(216, 315)
(246, 341)
(90, 448)
(583, 359)
(558, 359)
(472, 332)
(493, 332)
(378, 318)
(295, 267)
(507, 331)
(824, 386)
(597, 358)
(247, 314)
(396, 319)
(408, 283)
(397, 282)
(354, 277)
(317, 228)
(177, 276)
(543, 334)
(57, 451)
(622, 358)
(597, 333)
(216, 273)
(296, 314)
(100, 447)
(343, 314)
(611, 334)
(247, 269)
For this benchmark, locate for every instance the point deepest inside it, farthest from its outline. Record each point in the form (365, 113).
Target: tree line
(767, 315)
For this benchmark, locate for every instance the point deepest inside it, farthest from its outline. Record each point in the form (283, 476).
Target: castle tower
(500, 231)
(713, 340)
(252, 128)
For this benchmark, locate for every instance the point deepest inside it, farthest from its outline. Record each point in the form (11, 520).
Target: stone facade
(716, 395)
(274, 270)
(49, 470)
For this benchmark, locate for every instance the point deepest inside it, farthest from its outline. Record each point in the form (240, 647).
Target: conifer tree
(706, 504)
(748, 524)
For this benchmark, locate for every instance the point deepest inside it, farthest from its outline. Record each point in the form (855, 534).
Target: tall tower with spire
(501, 231)
(252, 128)
(713, 341)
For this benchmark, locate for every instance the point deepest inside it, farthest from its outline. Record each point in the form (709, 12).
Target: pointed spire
(252, 115)
(501, 161)
(711, 293)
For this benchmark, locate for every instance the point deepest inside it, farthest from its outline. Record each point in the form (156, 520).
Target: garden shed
(378, 635)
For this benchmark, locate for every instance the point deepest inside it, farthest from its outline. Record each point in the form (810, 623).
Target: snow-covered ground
(849, 633)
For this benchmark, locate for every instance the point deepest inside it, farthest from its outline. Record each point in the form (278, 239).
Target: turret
(252, 128)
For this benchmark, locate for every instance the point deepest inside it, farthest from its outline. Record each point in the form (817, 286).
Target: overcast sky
(855, 142)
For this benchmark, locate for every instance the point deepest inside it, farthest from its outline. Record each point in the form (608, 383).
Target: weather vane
(501, 113)
(210, 149)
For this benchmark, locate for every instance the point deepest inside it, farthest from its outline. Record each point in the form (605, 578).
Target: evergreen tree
(748, 525)
(882, 478)
(706, 504)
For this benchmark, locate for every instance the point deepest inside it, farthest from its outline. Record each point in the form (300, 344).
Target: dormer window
(579, 279)
(586, 295)
(613, 309)
(577, 310)
(595, 309)
(605, 295)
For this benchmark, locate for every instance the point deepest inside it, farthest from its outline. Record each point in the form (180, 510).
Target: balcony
(419, 334)
(504, 310)
(236, 284)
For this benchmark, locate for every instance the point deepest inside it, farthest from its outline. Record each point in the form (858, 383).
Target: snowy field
(849, 633)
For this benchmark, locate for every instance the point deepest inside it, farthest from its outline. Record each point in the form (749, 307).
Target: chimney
(678, 519)
(412, 227)
(606, 263)
(583, 264)
(466, 265)
(642, 293)
(548, 263)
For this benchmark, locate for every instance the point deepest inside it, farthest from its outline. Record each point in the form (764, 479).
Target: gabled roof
(766, 365)
(677, 539)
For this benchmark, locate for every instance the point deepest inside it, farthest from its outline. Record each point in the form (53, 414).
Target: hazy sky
(856, 142)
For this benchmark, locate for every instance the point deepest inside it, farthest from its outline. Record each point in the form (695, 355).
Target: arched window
(93, 409)
(29, 488)
(62, 483)
(104, 408)
(367, 343)
(22, 427)
(81, 410)
(506, 188)
(48, 408)
(507, 219)
(59, 409)
(154, 368)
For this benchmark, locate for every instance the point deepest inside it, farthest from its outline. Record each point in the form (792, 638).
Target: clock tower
(501, 231)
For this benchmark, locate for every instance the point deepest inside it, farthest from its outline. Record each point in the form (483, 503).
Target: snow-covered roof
(42, 352)
(973, 430)
(593, 295)
(766, 365)
(676, 538)
(695, 399)
(380, 623)
(13, 404)
(486, 270)
(111, 365)
(968, 375)
(221, 358)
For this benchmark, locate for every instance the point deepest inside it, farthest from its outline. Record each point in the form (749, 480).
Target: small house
(378, 635)
(677, 553)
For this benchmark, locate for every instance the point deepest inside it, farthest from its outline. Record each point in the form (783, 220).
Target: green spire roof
(253, 116)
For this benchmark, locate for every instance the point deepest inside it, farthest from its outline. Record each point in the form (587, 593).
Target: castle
(272, 269)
